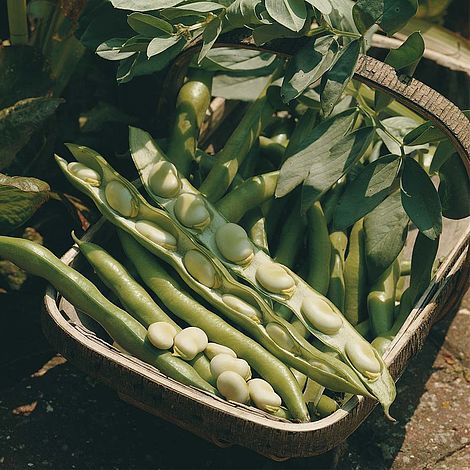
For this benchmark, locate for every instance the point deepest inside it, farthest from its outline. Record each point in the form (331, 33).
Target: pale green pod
(320, 315)
(280, 336)
(85, 173)
(188, 343)
(242, 307)
(191, 211)
(313, 392)
(233, 387)
(224, 362)
(213, 349)
(120, 348)
(362, 356)
(263, 395)
(156, 234)
(201, 268)
(164, 180)
(121, 199)
(274, 278)
(161, 334)
(301, 378)
(234, 244)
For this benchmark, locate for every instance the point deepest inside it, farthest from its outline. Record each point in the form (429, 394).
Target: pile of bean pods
(257, 302)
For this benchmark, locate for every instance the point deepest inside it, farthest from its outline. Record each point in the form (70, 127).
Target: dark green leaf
(111, 49)
(289, 13)
(390, 15)
(443, 152)
(144, 5)
(238, 88)
(18, 122)
(404, 60)
(19, 199)
(160, 44)
(299, 152)
(386, 229)
(244, 12)
(308, 65)
(209, 36)
(329, 165)
(267, 32)
(148, 25)
(335, 80)
(371, 186)
(324, 6)
(420, 199)
(454, 189)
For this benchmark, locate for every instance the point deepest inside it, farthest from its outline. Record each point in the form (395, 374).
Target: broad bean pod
(275, 281)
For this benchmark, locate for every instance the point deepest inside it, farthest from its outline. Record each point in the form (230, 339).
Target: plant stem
(17, 22)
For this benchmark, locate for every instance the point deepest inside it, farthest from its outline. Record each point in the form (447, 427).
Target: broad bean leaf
(20, 197)
(329, 165)
(209, 36)
(289, 13)
(239, 88)
(302, 149)
(443, 152)
(111, 49)
(324, 6)
(244, 12)
(148, 25)
(370, 187)
(18, 122)
(267, 32)
(335, 80)
(160, 44)
(404, 60)
(341, 16)
(390, 15)
(308, 65)
(385, 229)
(420, 199)
(145, 5)
(398, 126)
(454, 188)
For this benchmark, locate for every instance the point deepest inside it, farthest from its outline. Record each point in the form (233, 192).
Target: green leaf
(289, 13)
(443, 152)
(371, 186)
(404, 60)
(454, 188)
(244, 12)
(385, 229)
(398, 126)
(144, 5)
(267, 32)
(238, 88)
(111, 49)
(161, 44)
(335, 80)
(209, 36)
(148, 25)
(329, 165)
(19, 199)
(420, 199)
(390, 15)
(18, 122)
(308, 65)
(303, 146)
(324, 6)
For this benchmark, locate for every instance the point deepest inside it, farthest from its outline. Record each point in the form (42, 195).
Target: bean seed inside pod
(280, 336)
(233, 387)
(200, 268)
(263, 395)
(188, 343)
(85, 173)
(223, 362)
(274, 278)
(234, 244)
(320, 315)
(242, 307)
(164, 180)
(213, 349)
(121, 199)
(156, 234)
(362, 356)
(161, 334)
(191, 211)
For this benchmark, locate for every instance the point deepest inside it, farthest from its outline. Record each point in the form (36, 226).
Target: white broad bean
(280, 336)
(121, 199)
(191, 211)
(234, 244)
(164, 180)
(85, 173)
(263, 395)
(161, 334)
(233, 387)
(224, 362)
(213, 349)
(188, 343)
(156, 234)
(320, 315)
(274, 278)
(362, 356)
(200, 268)
(242, 307)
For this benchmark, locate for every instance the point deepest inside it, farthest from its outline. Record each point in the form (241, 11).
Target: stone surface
(80, 424)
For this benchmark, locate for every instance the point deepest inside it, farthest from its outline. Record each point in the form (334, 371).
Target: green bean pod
(185, 307)
(275, 281)
(319, 249)
(78, 290)
(336, 288)
(255, 225)
(205, 274)
(248, 195)
(355, 276)
(191, 105)
(381, 300)
(134, 297)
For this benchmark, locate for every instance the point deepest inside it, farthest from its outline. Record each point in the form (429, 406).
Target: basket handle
(414, 94)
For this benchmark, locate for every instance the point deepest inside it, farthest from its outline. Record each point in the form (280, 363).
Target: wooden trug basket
(224, 423)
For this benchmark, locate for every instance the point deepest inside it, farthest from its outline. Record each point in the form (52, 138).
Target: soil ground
(72, 422)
